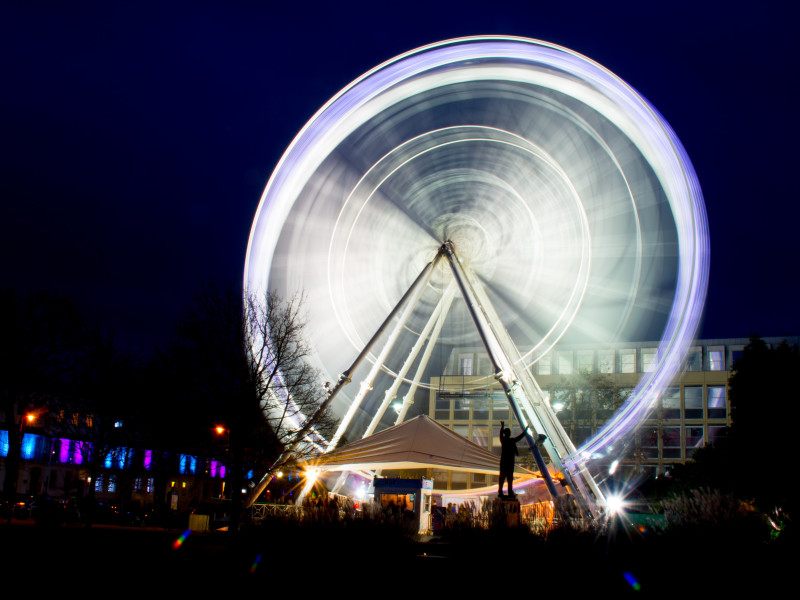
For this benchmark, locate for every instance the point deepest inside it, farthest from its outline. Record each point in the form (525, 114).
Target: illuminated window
(716, 359)
(458, 480)
(716, 404)
(112, 483)
(627, 361)
(4, 443)
(149, 488)
(99, 483)
(138, 485)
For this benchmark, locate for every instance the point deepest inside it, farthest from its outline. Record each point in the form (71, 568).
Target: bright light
(311, 475)
(613, 467)
(219, 429)
(614, 504)
(553, 209)
(397, 406)
(31, 417)
(279, 474)
(558, 406)
(361, 493)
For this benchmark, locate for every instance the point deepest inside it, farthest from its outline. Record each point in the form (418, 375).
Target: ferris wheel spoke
(567, 196)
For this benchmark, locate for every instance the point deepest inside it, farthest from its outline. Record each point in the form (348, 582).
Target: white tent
(416, 444)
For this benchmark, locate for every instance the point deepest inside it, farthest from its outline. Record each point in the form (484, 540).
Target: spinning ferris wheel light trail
(564, 204)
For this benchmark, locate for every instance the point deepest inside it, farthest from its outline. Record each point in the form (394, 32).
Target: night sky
(137, 138)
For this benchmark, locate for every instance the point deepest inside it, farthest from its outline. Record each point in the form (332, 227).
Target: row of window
(65, 451)
(689, 402)
(610, 361)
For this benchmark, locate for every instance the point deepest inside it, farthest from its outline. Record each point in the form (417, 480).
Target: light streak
(566, 188)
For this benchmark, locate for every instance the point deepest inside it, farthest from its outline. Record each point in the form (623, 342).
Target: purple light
(550, 67)
(148, 459)
(77, 456)
(63, 450)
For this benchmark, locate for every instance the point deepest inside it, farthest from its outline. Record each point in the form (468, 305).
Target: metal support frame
(524, 395)
(343, 380)
(526, 399)
(415, 292)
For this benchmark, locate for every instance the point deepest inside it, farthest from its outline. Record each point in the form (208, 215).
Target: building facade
(585, 385)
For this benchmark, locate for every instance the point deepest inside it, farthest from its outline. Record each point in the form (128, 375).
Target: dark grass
(376, 558)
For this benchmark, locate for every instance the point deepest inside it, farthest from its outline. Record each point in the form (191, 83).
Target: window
(716, 403)
(671, 439)
(480, 409)
(648, 441)
(715, 433)
(465, 365)
(627, 361)
(671, 403)
(565, 362)
(480, 436)
(694, 360)
(458, 480)
(545, 365)
(648, 359)
(716, 358)
(605, 361)
(693, 401)
(462, 430)
(694, 440)
(586, 361)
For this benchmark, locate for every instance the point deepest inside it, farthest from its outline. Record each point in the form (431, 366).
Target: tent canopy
(416, 444)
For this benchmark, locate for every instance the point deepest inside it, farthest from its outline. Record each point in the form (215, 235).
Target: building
(585, 385)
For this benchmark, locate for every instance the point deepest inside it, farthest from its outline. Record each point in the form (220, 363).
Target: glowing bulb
(614, 504)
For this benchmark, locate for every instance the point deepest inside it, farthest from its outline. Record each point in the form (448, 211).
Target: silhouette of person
(508, 451)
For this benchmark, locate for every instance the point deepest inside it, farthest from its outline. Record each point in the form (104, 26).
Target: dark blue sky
(136, 139)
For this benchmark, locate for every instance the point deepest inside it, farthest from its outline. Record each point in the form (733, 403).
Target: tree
(241, 360)
(753, 459)
(765, 404)
(98, 400)
(39, 347)
(585, 401)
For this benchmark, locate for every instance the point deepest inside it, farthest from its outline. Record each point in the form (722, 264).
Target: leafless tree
(289, 390)
(248, 356)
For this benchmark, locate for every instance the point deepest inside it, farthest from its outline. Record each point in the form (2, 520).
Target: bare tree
(246, 358)
(289, 390)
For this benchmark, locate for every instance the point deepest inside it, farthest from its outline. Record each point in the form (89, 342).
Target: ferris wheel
(486, 192)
